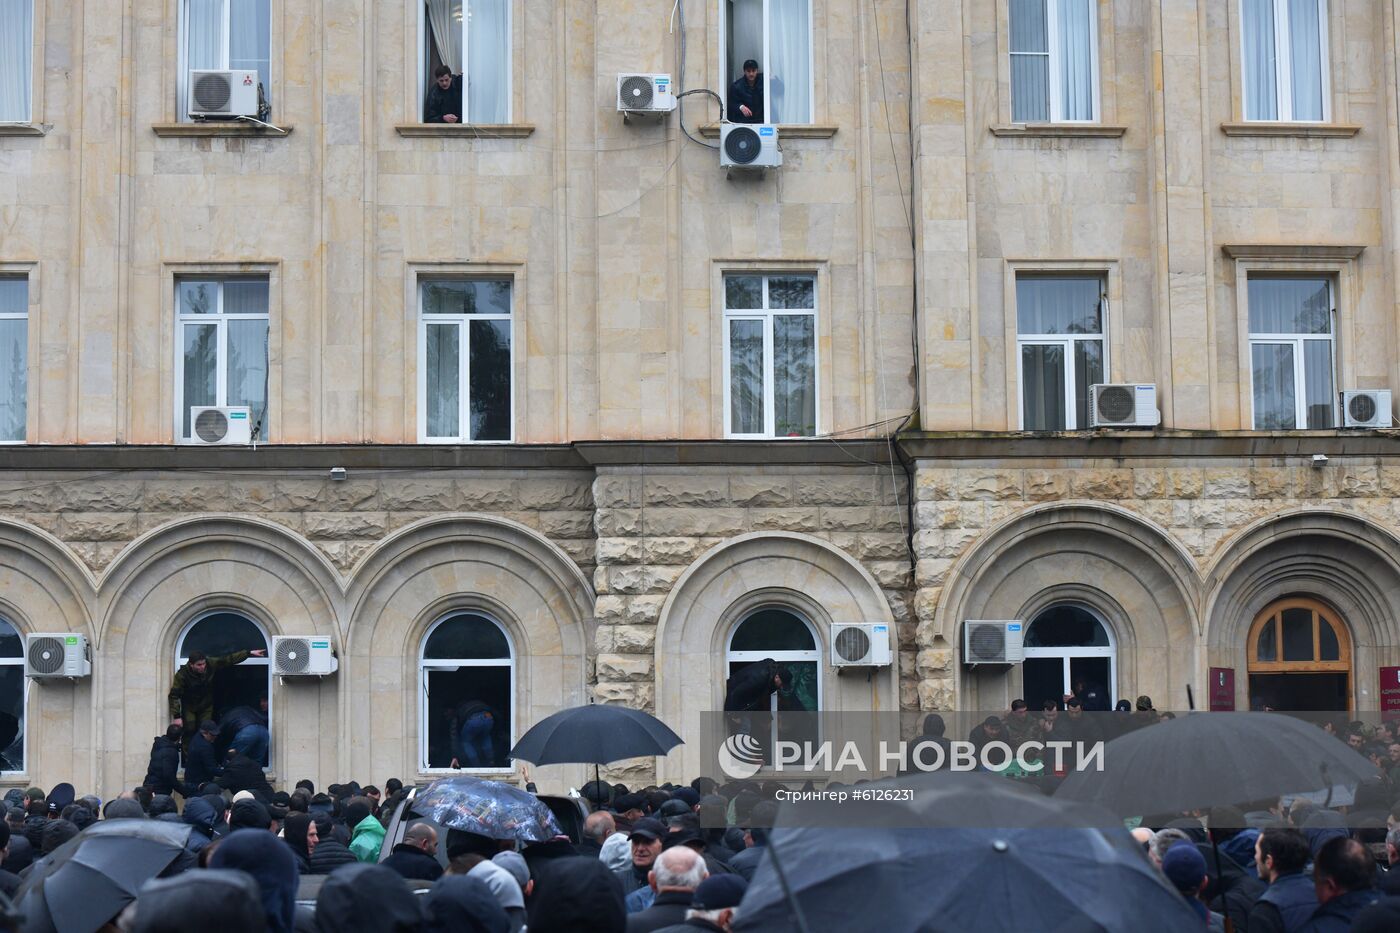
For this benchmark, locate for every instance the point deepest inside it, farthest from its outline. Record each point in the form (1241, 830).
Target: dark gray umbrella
(595, 734)
(487, 808)
(89, 879)
(936, 863)
(1204, 760)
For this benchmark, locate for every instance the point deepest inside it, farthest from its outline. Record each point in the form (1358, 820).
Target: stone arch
(1343, 560)
(734, 577)
(1132, 573)
(466, 561)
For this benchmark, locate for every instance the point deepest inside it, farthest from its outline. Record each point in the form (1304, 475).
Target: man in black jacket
(330, 853)
(444, 103)
(416, 857)
(674, 877)
(201, 765)
(746, 96)
(1281, 856)
(243, 773)
(162, 774)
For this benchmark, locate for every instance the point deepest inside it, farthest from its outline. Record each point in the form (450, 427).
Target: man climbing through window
(192, 691)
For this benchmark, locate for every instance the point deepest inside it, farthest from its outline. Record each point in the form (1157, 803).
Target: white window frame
(1066, 655)
(763, 66)
(20, 316)
(1066, 342)
(462, 322)
(426, 664)
(1056, 63)
(765, 316)
(34, 15)
(24, 702)
(425, 80)
(181, 657)
(182, 76)
(812, 656)
(220, 319)
(1283, 57)
(1296, 341)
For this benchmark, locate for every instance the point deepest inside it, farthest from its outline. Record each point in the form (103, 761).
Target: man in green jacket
(192, 691)
(367, 833)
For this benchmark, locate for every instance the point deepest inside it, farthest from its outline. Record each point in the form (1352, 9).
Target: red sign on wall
(1222, 689)
(1390, 693)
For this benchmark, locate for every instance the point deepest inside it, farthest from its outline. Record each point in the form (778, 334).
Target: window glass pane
(222, 633)
(11, 644)
(14, 293)
(12, 717)
(247, 370)
(743, 40)
(790, 50)
(16, 59)
(794, 375)
(204, 25)
(1030, 61)
(1305, 49)
(1317, 379)
(14, 373)
(248, 40)
(1328, 649)
(201, 342)
(1274, 399)
(488, 61)
(245, 296)
(1029, 26)
(467, 636)
(1043, 387)
(447, 297)
(1266, 646)
(1077, 59)
(468, 716)
(1260, 60)
(1297, 635)
(746, 377)
(1059, 305)
(1066, 627)
(743, 292)
(1088, 370)
(796, 292)
(488, 296)
(443, 374)
(772, 630)
(198, 297)
(1289, 306)
(490, 380)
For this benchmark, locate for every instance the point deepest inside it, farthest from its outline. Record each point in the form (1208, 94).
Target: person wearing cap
(191, 695)
(646, 839)
(746, 96)
(674, 877)
(714, 906)
(1185, 867)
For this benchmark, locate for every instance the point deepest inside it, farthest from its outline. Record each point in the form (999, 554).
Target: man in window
(473, 728)
(245, 729)
(444, 97)
(192, 691)
(746, 96)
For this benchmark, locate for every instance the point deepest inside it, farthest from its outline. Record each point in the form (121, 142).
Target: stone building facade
(617, 529)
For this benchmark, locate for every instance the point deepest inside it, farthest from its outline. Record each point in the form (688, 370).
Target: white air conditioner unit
(860, 644)
(302, 656)
(993, 642)
(223, 94)
(1366, 408)
(645, 94)
(1123, 406)
(61, 654)
(752, 146)
(226, 426)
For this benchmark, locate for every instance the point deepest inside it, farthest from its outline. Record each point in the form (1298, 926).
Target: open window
(471, 41)
(467, 689)
(247, 684)
(14, 699)
(777, 36)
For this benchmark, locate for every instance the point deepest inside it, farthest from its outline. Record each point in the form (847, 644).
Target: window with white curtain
(465, 389)
(777, 34)
(770, 355)
(1292, 352)
(1054, 61)
(16, 60)
(1284, 54)
(1060, 348)
(221, 348)
(471, 38)
(14, 357)
(225, 34)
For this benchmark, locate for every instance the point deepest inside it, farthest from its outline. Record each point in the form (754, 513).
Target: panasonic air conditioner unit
(1366, 408)
(993, 642)
(860, 644)
(223, 94)
(645, 94)
(61, 654)
(1123, 406)
(302, 656)
(226, 426)
(749, 146)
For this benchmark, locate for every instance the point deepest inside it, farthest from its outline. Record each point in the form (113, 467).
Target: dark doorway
(1323, 692)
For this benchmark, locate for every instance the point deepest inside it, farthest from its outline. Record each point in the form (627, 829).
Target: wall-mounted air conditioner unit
(223, 94)
(1366, 408)
(860, 644)
(302, 656)
(1123, 406)
(56, 654)
(993, 642)
(649, 94)
(226, 426)
(749, 146)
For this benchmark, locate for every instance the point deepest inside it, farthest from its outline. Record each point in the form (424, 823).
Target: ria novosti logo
(741, 756)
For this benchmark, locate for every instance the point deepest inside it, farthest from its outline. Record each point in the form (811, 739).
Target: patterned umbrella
(487, 808)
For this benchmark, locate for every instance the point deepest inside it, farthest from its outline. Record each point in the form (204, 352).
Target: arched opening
(247, 684)
(467, 689)
(789, 639)
(14, 699)
(1069, 649)
(1299, 658)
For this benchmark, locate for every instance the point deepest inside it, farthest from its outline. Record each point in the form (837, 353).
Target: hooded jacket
(199, 813)
(750, 688)
(200, 764)
(243, 773)
(367, 839)
(367, 899)
(459, 904)
(576, 895)
(161, 773)
(270, 862)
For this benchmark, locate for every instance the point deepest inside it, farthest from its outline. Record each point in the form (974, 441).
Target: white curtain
(1030, 62)
(16, 59)
(249, 39)
(14, 371)
(1275, 405)
(794, 375)
(744, 39)
(1075, 29)
(247, 369)
(204, 26)
(789, 68)
(1059, 305)
(1305, 49)
(1260, 60)
(488, 61)
(445, 18)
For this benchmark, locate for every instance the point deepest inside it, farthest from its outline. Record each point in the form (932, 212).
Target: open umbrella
(1207, 760)
(89, 879)
(487, 808)
(966, 852)
(595, 734)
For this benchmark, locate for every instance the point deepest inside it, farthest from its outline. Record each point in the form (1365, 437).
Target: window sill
(230, 128)
(788, 130)
(22, 129)
(1298, 130)
(466, 130)
(1058, 130)
(1292, 251)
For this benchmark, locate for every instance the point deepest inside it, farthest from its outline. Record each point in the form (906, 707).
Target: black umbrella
(937, 863)
(1204, 760)
(89, 879)
(595, 734)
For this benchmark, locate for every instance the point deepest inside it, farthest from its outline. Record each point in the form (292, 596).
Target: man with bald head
(674, 877)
